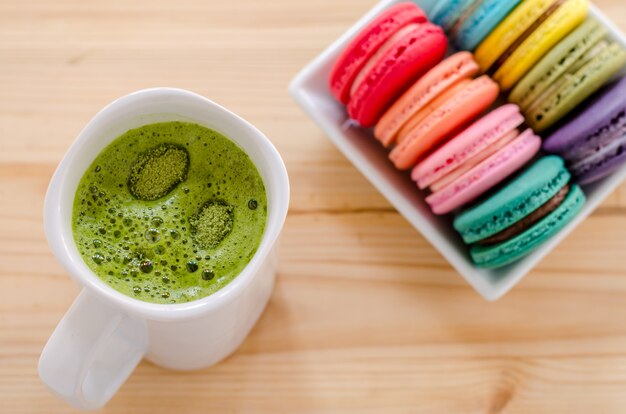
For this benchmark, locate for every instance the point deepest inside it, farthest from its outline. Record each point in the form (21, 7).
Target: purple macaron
(593, 142)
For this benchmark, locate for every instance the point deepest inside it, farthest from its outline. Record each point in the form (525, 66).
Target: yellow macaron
(522, 19)
(557, 20)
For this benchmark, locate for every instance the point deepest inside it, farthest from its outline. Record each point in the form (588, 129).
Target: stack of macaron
(570, 73)
(393, 50)
(519, 217)
(437, 113)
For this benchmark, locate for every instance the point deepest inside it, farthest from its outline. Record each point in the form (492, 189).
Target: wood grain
(366, 316)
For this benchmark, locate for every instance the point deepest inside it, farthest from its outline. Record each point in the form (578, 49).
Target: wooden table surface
(366, 316)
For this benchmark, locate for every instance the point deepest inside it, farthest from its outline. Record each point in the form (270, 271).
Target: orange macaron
(428, 93)
(468, 100)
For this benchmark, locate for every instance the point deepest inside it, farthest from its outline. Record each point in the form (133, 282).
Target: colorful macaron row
(434, 123)
(550, 58)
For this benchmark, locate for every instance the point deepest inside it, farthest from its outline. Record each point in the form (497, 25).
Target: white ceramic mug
(105, 333)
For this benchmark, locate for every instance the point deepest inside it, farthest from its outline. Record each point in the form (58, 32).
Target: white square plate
(310, 90)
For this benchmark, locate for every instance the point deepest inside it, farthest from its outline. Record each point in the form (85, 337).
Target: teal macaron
(478, 20)
(446, 13)
(522, 215)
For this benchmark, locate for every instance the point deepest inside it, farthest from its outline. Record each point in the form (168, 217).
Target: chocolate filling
(529, 31)
(528, 221)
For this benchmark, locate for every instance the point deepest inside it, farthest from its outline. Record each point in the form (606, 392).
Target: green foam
(147, 249)
(524, 243)
(156, 172)
(520, 197)
(212, 224)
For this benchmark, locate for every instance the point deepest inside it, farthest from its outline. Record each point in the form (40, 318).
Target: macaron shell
(482, 22)
(602, 163)
(530, 220)
(507, 32)
(471, 163)
(459, 66)
(414, 55)
(508, 252)
(446, 12)
(367, 42)
(611, 132)
(579, 87)
(533, 187)
(464, 107)
(556, 62)
(424, 112)
(468, 144)
(555, 28)
(485, 175)
(390, 44)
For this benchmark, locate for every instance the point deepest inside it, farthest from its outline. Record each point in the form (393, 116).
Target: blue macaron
(478, 20)
(447, 12)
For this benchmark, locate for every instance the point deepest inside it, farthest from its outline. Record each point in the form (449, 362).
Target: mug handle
(92, 352)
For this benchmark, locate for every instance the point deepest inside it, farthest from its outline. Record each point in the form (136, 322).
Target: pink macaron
(486, 174)
(477, 159)
(471, 144)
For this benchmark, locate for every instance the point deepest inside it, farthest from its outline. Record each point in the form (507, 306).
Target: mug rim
(60, 242)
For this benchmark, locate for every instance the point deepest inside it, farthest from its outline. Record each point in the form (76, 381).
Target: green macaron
(556, 62)
(572, 71)
(522, 215)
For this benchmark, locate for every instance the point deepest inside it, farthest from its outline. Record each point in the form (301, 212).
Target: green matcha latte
(169, 212)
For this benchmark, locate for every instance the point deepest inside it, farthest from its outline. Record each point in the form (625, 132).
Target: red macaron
(385, 58)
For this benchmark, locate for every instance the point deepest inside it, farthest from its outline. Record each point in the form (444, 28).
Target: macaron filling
(528, 221)
(525, 35)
